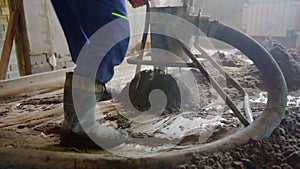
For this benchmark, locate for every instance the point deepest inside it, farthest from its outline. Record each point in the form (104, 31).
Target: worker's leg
(109, 28)
(80, 127)
(76, 22)
(80, 19)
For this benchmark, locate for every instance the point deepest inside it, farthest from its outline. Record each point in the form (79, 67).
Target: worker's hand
(137, 3)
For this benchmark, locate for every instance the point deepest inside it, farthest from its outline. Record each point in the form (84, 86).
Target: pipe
(274, 79)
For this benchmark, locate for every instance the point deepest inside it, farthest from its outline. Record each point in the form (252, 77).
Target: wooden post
(8, 43)
(21, 39)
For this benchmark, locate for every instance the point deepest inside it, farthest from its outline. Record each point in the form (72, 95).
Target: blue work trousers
(97, 32)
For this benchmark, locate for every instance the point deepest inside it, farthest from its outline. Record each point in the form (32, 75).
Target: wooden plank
(31, 118)
(15, 119)
(29, 158)
(33, 83)
(8, 43)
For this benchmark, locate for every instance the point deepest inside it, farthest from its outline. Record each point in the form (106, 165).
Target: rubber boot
(104, 93)
(80, 128)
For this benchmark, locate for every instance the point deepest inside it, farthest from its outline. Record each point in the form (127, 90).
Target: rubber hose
(264, 61)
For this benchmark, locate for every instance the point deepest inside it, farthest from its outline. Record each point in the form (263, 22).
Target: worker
(80, 19)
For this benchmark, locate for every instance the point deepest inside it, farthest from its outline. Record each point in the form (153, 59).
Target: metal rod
(136, 60)
(144, 40)
(216, 86)
(246, 105)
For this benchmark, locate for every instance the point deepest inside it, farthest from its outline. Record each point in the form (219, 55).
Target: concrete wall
(44, 31)
(270, 18)
(227, 11)
(46, 38)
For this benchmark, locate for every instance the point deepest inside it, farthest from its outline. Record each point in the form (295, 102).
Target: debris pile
(289, 63)
(280, 150)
